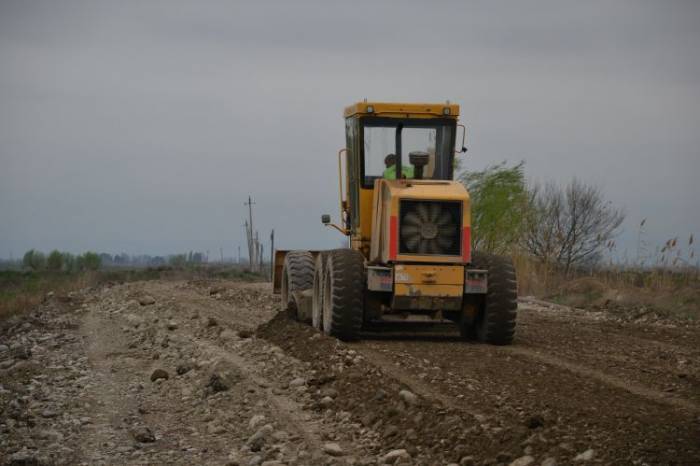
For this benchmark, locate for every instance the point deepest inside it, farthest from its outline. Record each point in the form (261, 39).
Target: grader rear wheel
(297, 276)
(343, 294)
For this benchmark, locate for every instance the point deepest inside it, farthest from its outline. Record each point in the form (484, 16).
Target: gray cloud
(142, 126)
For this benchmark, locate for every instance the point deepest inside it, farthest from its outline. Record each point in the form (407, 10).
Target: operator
(390, 170)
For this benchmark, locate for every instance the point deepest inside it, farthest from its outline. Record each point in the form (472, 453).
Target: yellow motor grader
(409, 257)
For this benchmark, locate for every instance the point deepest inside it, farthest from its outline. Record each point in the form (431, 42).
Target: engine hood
(432, 199)
(426, 189)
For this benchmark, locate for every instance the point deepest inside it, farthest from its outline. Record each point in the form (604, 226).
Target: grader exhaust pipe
(419, 160)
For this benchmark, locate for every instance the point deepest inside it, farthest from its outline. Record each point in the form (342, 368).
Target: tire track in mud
(511, 386)
(658, 362)
(427, 390)
(574, 404)
(611, 380)
(431, 431)
(419, 386)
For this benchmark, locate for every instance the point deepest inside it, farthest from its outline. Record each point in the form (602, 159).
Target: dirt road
(208, 373)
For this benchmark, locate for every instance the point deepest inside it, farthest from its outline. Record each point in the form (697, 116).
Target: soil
(207, 372)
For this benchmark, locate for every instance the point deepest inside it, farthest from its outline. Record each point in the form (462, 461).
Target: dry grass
(20, 291)
(672, 292)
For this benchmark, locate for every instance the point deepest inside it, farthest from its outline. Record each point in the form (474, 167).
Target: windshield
(428, 136)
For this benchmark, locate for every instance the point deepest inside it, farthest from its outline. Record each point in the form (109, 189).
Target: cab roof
(403, 110)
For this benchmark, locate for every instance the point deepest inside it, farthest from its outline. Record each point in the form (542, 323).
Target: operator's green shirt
(390, 172)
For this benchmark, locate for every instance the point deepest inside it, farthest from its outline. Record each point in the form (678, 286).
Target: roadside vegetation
(25, 283)
(563, 242)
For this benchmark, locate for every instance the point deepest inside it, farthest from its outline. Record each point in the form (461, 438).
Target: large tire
(297, 276)
(317, 299)
(343, 294)
(495, 322)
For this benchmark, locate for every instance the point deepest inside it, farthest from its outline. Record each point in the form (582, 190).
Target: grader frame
(409, 258)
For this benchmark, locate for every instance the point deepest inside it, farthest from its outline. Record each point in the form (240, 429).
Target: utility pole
(249, 240)
(272, 253)
(260, 265)
(250, 229)
(221, 251)
(256, 248)
(239, 254)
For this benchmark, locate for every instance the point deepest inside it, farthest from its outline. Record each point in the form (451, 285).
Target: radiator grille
(430, 227)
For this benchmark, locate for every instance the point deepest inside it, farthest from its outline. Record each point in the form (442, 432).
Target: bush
(68, 262)
(34, 259)
(570, 225)
(91, 261)
(498, 205)
(55, 261)
(177, 260)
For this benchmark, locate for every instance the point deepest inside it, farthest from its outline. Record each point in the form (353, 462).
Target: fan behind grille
(430, 227)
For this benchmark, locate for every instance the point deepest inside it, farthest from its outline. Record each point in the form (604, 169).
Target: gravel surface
(207, 372)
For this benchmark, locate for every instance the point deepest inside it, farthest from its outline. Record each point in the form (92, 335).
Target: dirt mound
(430, 432)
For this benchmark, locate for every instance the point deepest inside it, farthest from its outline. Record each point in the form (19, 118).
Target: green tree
(91, 260)
(33, 259)
(55, 261)
(177, 260)
(499, 202)
(68, 261)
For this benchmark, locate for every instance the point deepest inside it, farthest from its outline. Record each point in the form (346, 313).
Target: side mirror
(326, 220)
(464, 137)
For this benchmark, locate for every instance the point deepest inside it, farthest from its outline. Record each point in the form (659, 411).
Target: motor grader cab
(409, 257)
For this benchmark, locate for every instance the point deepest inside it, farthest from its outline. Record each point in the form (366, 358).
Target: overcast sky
(143, 126)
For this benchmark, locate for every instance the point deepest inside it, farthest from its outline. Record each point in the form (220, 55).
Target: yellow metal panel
(433, 258)
(437, 190)
(403, 110)
(366, 197)
(277, 270)
(429, 190)
(437, 291)
(377, 218)
(429, 274)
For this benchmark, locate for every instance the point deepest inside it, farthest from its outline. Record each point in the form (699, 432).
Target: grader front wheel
(343, 293)
(495, 322)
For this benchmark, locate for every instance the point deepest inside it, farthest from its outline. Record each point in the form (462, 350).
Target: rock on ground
(585, 456)
(332, 449)
(523, 461)
(395, 456)
(147, 300)
(159, 374)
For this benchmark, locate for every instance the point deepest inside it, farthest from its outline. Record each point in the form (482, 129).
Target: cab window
(379, 148)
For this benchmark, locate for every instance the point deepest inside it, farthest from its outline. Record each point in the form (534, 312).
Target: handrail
(340, 181)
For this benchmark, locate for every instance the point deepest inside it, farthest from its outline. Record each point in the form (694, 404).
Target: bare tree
(570, 225)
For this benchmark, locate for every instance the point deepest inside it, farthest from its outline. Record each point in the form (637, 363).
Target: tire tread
(345, 268)
(497, 324)
(299, 269)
